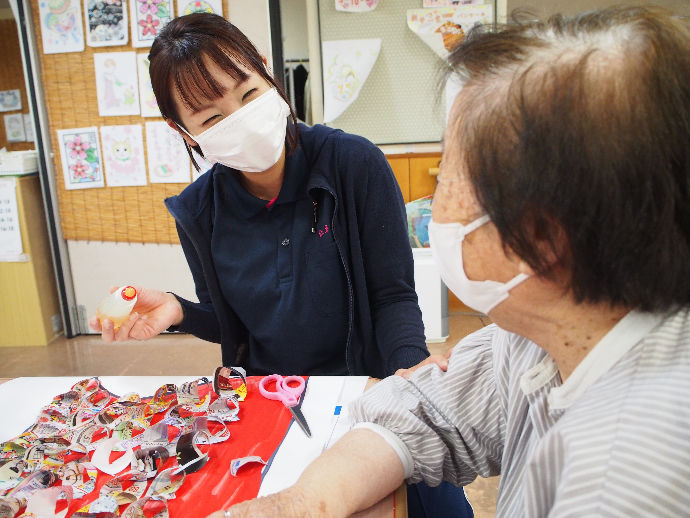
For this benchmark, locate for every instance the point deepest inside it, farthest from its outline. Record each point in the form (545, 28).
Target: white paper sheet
(80, 153)
(168, 159)
(148, 18)
(106, 22)
(14, 127)
(346, 67)
(123, 155)
(356, 6)
(116, 83)
(10, 233)
(10, 100)
(323, 395)
(61, 26)
(149, 106)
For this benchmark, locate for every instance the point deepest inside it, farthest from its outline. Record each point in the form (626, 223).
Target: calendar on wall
(10, 233)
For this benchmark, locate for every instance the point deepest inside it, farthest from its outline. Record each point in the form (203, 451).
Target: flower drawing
(80, 171)
(149, 25)
(150, 6)
(78, 147)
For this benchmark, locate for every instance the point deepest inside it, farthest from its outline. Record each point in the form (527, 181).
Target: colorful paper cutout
(81, 158)
(168, 160)
(148, 19)
(356, 6)
(116, 83)
(346, 67)
(106, 22)
(443, 28)
(61, 26)
(123, 155)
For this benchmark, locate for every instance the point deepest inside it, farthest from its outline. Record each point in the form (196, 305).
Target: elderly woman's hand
(440, 360)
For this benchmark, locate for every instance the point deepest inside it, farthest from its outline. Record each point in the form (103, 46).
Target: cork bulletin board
(12, 78)
(123, 214)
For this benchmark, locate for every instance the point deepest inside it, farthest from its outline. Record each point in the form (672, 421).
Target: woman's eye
(249, 93)
(209, 120)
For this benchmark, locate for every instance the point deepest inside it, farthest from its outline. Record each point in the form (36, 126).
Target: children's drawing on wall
(116, 83)
(443, 28)
(106, 22)
(81, 158)
(148, 19)
(168, 159)
(199, 6)
(61, 26)
(346, 66)
(10, 100)
(450, 3)
(14, 128)
(356, 6)
(123, 155)
(149, 106)
(28, 127)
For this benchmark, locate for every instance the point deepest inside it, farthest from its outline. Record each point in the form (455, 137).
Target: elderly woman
(563, 210)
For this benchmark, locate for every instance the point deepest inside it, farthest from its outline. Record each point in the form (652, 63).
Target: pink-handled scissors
(287, 394)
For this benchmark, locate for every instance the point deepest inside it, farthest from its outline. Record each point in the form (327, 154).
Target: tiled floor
(175, 354)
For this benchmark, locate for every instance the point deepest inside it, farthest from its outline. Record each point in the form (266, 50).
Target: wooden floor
(175, 354)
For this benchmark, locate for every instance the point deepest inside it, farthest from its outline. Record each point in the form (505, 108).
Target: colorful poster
(149, 106)
(14, 127)
(443, 28)
(123, 155)
(168, 158)
(106, 22)
(199, 6)
(10, 100)
(148, 18)
(346, 66)
(450, 3)
(81, 158)
(356, 6)
(61, 26)
(116, 83)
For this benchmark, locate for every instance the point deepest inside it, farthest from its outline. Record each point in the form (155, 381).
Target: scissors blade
(301, 421)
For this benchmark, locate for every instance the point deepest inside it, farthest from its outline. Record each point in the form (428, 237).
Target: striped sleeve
(452, 423)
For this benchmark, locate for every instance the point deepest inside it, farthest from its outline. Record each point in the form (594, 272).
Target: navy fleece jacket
(357, 194)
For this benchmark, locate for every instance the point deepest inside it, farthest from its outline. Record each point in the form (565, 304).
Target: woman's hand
(154, 312)
(440, 360)
(289, 503)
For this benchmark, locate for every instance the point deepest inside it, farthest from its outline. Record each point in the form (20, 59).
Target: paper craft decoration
(10, 100)
(346, 66)
(14, 127)
(116, 83)
(450, 3)
(61, 26)
(443, 28)
(106, 22)
(10, 233)
(168, 158)
(148, 18)
(123, 155)
(149, 106)
(81, 158)
(356, 6)
(199, 6)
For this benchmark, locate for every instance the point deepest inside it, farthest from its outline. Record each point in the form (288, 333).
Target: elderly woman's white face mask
(446, 247)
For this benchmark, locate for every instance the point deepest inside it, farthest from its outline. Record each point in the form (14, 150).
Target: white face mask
(250, 139)
(446, 247)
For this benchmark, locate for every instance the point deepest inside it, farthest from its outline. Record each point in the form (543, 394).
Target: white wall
(251, 17)
(97, 265)
(293, 23)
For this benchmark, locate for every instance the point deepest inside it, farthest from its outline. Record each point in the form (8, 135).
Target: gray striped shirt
(613, 440)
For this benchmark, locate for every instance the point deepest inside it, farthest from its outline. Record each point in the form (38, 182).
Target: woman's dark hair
(176, 63)
(577, 130)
